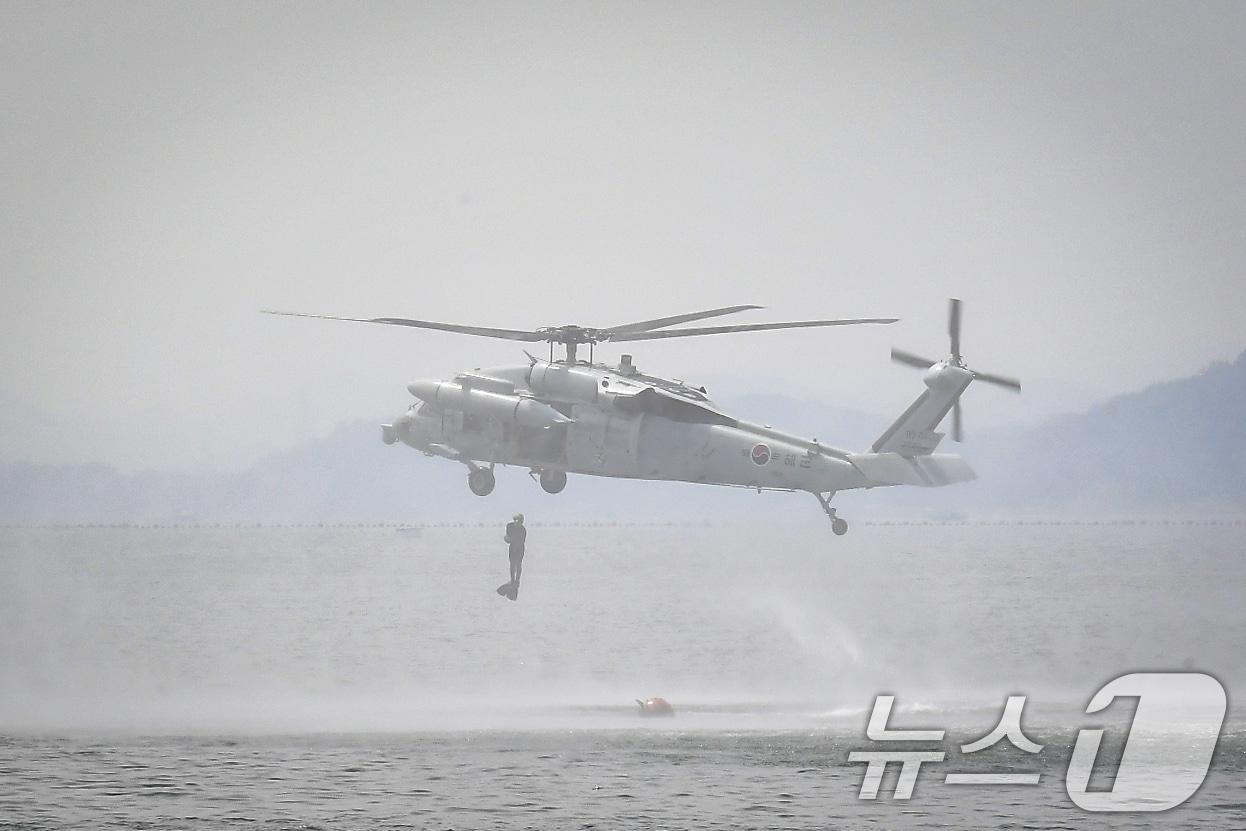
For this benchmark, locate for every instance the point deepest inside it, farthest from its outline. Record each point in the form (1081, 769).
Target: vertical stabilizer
(913, 433)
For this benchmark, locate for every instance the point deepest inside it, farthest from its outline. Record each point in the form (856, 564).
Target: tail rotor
(955, 360)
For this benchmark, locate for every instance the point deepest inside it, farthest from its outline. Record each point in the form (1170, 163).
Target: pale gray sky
(1075, 172)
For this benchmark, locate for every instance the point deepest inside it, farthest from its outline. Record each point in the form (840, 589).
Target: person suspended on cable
(516, 537)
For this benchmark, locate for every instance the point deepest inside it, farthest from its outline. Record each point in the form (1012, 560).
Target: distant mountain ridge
(1179, 442)
(1177, 445)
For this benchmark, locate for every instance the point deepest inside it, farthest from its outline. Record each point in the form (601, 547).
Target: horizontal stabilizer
(930, 471)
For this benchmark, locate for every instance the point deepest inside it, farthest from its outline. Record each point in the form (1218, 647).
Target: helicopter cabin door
(602, 442)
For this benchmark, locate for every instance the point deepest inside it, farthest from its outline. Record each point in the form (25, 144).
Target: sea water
(371, 677)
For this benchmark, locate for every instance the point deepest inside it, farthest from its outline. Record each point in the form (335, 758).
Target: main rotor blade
(958, 433)
(479, 331)
(999, 380)
(746, 327)
(902, 357)
(953, 327)
(658, 323)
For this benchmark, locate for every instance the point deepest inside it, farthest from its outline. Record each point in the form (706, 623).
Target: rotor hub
(571, 334)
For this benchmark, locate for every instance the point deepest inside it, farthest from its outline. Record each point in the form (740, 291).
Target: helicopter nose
(398, 429)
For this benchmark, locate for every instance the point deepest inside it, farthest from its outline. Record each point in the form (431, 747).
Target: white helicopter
(574, 416)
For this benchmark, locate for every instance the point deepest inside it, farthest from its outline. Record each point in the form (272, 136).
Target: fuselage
(610, 421)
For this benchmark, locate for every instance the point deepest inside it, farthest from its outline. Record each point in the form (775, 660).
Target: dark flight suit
(516, 535)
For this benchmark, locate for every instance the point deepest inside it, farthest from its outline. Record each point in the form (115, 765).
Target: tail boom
(925, 471)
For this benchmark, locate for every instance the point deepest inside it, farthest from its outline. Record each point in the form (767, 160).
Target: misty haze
(642, 313)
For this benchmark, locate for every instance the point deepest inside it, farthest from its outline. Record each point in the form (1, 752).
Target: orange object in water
(655, 707)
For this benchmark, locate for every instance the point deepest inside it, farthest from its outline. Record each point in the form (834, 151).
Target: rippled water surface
(368, 678)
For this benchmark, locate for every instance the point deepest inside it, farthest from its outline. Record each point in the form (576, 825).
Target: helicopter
(570, 415)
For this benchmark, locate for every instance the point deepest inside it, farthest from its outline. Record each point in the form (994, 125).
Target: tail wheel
(839, 526)
(553, 481)
(481, 482)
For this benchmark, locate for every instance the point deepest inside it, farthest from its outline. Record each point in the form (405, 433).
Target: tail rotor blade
(902, 357)
(954, 367)
(953, 327)
(998, 380)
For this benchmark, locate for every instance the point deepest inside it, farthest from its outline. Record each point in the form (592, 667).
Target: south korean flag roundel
(760, 455)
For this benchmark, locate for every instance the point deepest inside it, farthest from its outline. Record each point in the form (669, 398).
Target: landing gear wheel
(481, 481)
(553, 481)
(838, 526)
